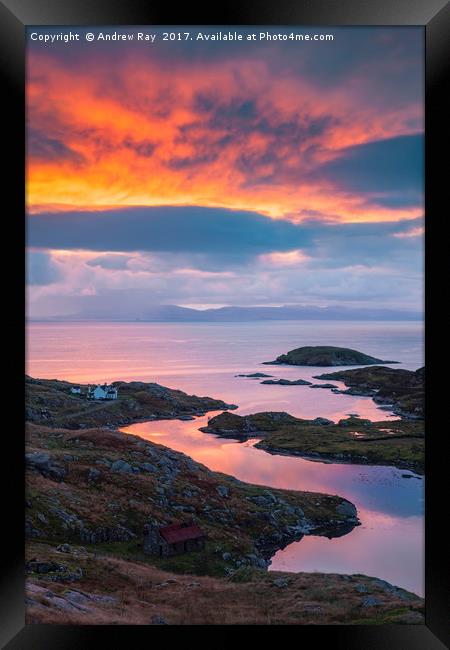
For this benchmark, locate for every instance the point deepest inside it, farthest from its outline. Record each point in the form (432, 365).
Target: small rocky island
(325, 355)
(287, 382)
(254, 375)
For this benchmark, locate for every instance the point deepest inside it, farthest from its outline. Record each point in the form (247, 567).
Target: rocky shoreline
(340, 458)
(173, 487)
(91, 462)
(88, 493)
(90, 490)
(403, 391)
(351, 440)
(50, 402)
(397, 390)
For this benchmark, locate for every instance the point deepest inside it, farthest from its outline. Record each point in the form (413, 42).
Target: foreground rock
(50, 402)
(131, 592)
(402, 390)
(324, 355)
(355, 440)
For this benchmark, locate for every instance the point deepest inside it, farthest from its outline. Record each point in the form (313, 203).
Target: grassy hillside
(50, 402)
(123, 592)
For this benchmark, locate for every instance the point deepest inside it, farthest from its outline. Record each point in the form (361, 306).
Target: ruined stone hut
(174, 539)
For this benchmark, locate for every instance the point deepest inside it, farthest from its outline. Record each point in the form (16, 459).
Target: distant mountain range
(174, 313)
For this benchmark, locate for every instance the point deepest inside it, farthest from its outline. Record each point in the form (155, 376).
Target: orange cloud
(219, 134)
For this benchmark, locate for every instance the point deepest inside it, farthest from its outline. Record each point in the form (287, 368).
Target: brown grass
(192, 600)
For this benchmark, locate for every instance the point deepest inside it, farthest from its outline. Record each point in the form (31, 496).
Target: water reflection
(387, 545)
(203, 358)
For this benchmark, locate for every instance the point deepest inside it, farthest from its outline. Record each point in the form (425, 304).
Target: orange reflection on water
(389, 542)
(203, 359)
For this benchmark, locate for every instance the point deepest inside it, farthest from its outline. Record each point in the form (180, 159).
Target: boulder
(346, 508)
(42, 462)
(322, 421)
(281, 583)
(148, 467)
(222, 490)
(121, 466)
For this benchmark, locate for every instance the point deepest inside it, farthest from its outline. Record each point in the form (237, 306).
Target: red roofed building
(173, 539)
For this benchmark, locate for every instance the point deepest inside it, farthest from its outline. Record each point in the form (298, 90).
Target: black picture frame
(15, 15)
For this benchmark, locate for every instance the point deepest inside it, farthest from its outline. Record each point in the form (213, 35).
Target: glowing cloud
(224, 174)
(234, 128)
(414, 232)
(285, 258)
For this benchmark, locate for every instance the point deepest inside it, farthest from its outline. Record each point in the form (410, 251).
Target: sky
(206, 174)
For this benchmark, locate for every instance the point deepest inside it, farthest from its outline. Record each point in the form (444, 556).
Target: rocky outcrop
(43, 463)
(230, 425)
(53, 571)
(255, 375)
(324, 355)
(402, 390)
(287, 382)
(68, 602)
(352, 440)
(51, 403)
(139, 480)
(323, 386)
(154, 597)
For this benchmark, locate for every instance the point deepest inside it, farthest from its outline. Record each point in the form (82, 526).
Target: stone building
(174, 539)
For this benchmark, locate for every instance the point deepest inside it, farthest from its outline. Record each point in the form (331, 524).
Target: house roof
(180, 533)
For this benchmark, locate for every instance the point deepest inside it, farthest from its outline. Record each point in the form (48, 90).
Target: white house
(76, 390)
(103, 391)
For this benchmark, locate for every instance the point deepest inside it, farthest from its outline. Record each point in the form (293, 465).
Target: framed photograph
(225, 248)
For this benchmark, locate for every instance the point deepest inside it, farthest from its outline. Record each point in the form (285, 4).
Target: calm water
(204, 359)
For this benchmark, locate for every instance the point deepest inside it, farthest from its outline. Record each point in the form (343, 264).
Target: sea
(205, 359)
